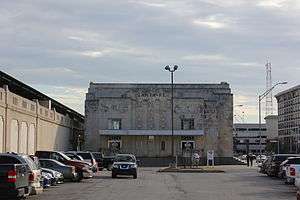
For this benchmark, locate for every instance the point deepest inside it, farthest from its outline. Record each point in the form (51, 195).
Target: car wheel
(135, 176)
(80, 176)
(113, 175)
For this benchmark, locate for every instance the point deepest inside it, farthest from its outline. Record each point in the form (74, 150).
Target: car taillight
(31, 177)
(292, 171)
(11, 176)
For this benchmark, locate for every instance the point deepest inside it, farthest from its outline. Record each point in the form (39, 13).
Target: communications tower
(269, 97)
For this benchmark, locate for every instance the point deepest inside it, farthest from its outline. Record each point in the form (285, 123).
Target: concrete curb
(199, 170)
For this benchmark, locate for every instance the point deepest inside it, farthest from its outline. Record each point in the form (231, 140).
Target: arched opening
(14, 135)
(23, 138)
(31, 139)
(1, 135)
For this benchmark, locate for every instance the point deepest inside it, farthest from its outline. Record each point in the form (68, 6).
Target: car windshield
(124, 159)
(85, 155)
(65, 156)
(97, 155)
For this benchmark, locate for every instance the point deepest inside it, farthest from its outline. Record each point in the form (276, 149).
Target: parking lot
(239, 182)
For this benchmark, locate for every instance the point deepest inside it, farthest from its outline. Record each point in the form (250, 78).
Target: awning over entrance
(152, 132)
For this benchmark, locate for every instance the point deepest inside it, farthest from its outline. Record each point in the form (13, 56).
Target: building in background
(246, 138)
(272, 127)
(30, 120)
(136, 118)
(289, 120)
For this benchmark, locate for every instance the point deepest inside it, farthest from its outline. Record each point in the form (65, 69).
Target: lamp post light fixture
(260, 98)
(172, 70)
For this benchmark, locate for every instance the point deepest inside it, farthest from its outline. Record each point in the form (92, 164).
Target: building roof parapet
(288, 90)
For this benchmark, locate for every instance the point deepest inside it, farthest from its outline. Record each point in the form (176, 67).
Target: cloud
(271, 3)
(150, 4)
(58, 44)
(205, 57)
(70, 96)
(213, 22)
(92, 54)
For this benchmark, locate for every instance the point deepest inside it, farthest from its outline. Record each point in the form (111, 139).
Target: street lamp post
(175, 67)
(260, 98)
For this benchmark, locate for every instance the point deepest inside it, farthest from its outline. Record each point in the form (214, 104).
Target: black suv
(124, 164)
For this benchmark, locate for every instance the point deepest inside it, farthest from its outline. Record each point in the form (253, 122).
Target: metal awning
(152, 132)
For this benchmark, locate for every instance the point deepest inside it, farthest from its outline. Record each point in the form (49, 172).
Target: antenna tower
(269, 97)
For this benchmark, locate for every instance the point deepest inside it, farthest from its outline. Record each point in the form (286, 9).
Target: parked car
(285, 164)
(46, 179)
(263, 166)
(107, 162)
(99, 159)
(74, 156)
(36, 174)
(124, 164)
(273, 166)
(260, 159)
(88, 157)
(297, 184)
(14, 176)
(68, 172)
(292, 171)
(82, 168)
(57, 176)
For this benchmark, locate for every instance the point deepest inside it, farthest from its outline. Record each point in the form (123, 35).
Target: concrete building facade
(289, 120)
(136, 118)
(30, 121)
(247, 138)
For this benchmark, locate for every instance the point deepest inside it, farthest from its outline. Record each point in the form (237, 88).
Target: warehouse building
(136, 118)
(31, 121)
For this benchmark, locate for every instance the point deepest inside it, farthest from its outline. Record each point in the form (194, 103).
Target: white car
(292, 173)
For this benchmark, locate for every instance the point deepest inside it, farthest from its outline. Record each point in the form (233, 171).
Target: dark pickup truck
(14, 177)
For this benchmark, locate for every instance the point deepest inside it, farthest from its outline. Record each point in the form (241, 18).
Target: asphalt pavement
(238, 183)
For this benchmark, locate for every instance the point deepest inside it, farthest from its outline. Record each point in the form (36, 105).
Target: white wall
(23, 137)
(31, 139)
(14, 135)
(1, 135)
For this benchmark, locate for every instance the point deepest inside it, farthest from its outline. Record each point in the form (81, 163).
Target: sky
(59, 47)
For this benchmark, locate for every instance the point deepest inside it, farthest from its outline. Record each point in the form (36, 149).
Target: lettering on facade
(150, 95)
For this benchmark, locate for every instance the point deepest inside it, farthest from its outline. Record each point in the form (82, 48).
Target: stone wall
(27, 126)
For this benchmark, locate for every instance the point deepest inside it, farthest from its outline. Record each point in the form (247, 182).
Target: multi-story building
(30, 120)
(136, 118)
(289, 119)
(247, 138)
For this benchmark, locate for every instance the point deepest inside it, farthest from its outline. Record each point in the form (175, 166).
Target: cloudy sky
(60, 46)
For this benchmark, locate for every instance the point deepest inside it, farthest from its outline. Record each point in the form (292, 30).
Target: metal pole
(278, 146)
(259, 119)
(172, 113)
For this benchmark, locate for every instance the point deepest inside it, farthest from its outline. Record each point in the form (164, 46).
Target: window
(187, 145)
(163, 146)
(116, 124)
(15, 100)
(187, 124)
(114, 145)
(24, 104)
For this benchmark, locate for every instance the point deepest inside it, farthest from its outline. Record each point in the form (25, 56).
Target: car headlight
(115, 166)
(85, 168)
(133, 166)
